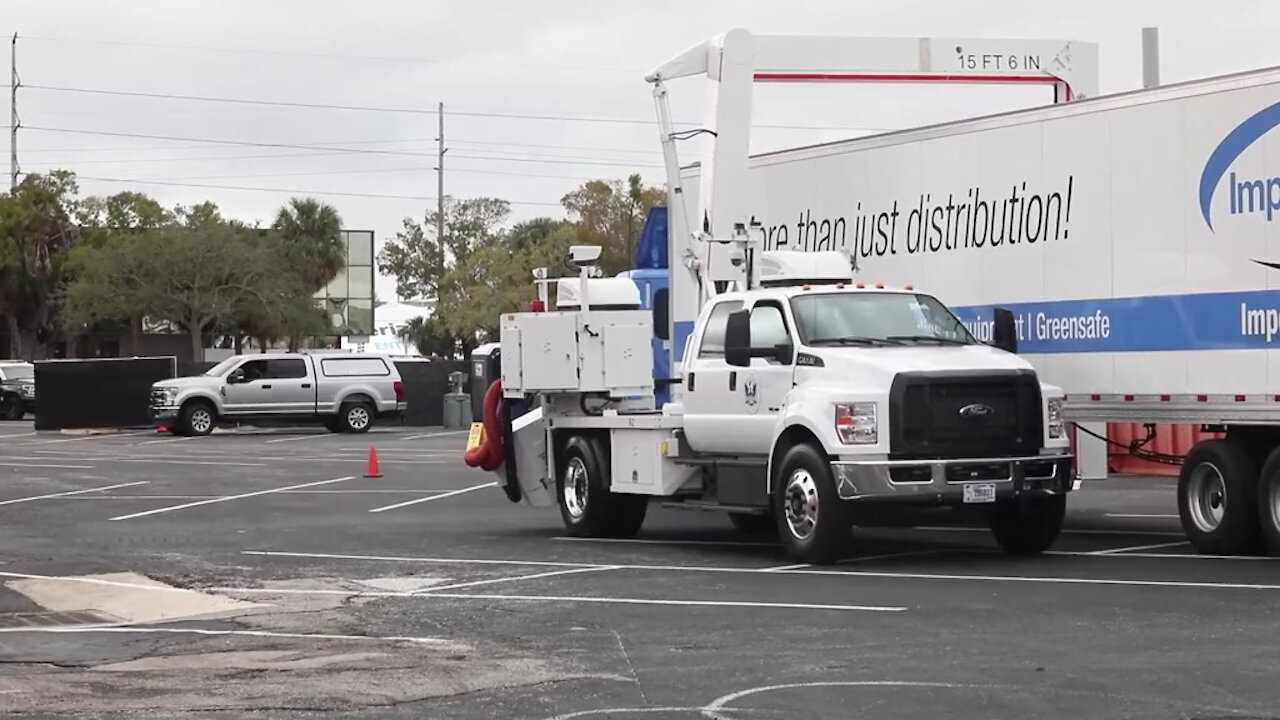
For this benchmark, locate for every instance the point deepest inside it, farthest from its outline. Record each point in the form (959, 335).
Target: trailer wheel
(812, 521)
(1029, 525)
(1218, 498)
(1269, 501)
(750, 524)
(587, 507)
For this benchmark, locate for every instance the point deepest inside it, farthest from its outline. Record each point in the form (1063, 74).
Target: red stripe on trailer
(1128, 398)
(1202, 398)
(1095, 398)
(898, 77)
(1240, 398)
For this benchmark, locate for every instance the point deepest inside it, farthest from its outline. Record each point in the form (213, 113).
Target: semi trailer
(1132, 236)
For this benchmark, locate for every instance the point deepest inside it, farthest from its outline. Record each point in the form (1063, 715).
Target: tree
(195, 277)
(312, 235)
(430, 337)
(611, 214)
(37, 232)
(420, 261)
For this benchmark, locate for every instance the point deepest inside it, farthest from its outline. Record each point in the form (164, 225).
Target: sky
(539, 95)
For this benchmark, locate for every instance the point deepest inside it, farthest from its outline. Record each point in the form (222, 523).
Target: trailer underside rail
(1192, 409)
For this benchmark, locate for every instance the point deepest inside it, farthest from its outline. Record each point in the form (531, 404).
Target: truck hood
(189, 382)
(882, 363)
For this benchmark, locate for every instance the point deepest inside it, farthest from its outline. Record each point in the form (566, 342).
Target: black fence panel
(425, 385)
(97, 393)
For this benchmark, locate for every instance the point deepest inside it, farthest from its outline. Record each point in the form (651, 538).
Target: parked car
(17, 389)
(345, 392)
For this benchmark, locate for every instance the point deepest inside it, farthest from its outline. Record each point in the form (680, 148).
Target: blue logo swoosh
(1235, 143)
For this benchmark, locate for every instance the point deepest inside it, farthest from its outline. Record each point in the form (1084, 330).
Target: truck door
(709, 409)
(762, 388)
(246, 389)
(292, 386)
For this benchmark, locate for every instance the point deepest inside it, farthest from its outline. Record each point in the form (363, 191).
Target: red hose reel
(488, 455)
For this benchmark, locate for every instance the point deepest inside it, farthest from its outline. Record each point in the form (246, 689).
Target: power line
(146, 148)
(415, 111)
(323, 56)
(359, 171)
(337, 150)
(292, 191)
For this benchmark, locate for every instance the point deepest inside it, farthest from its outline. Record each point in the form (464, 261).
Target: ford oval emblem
(976, 411)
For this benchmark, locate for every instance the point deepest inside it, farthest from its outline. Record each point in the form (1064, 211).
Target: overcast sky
(563, 58)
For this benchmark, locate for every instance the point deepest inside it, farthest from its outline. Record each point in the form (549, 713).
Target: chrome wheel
(575, 488)
(801, 504)
(1207, 497)
(201, 421)
(358, 417)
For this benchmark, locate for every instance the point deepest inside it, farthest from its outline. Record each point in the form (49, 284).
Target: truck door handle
(306, 385)
(690, 378)
(733, 380)
(266, 387)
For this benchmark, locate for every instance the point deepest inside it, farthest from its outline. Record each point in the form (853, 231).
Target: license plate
(980, 493)
(476, 436)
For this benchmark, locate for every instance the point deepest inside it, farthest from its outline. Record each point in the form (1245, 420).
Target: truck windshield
(19, 372)
(222, 367)
(876, 319)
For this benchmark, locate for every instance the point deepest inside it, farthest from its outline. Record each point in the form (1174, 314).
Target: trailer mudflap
(529, 453)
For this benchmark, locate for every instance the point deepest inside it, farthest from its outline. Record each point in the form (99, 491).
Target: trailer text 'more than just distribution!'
(933, 222)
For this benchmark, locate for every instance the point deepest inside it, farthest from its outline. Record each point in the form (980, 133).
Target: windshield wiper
(928, 338)
(855, 340)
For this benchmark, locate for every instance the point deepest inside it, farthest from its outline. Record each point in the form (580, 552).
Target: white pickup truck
(805, 401)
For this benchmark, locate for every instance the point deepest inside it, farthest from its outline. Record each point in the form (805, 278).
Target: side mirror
(785, 353)
(737, 339)
(236, 377)
(1004, 331)
(662, 314)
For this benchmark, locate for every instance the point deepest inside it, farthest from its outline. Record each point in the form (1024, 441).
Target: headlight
(1056, 427)
(856, 424)
(169, 394)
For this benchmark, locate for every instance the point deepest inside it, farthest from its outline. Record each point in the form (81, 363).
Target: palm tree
(313, 232)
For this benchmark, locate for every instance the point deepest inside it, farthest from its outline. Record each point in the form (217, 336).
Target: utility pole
(440, 151)
(14, 122)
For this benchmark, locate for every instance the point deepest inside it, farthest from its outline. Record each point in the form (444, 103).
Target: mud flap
(528, 455)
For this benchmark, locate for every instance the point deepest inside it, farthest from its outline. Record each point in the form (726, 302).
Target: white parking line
(15, 501)
(166, 440)
(646, 541)
(778, 571)
(1141, 516)
(429, 498)
(535, 576)
(1119, 551)
(14, 435)
(97, 436)
(5, 463)
(1082, 531)
(1174, 556)
(227, 498)
(424, 436)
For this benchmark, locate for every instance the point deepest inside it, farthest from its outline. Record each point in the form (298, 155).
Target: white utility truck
(803, 399)
(1133, 237)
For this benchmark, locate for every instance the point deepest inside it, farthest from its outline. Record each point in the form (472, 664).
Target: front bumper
(943, 481)
(163, 413)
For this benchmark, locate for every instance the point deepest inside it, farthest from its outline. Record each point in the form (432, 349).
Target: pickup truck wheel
(196, 418)
(587, 507)
(11, 408)
(749, 524)
(356, 417)
(812, 520)
(1028, 526)
(1218, 498)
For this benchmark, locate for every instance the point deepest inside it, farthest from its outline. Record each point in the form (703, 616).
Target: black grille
(158, 398)
(964, 414)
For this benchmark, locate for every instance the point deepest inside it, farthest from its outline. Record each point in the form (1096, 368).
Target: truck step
(708, 506)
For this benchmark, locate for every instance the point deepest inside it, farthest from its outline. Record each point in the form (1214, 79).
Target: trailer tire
(749, 524)
(1269, 501)
(812, 521)
(1029, 525)
(587, 507)
(1218, 498)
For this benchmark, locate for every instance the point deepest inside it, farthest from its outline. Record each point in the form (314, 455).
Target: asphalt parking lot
(261, 574)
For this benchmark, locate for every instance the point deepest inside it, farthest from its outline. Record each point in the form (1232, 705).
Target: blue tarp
(651, 252)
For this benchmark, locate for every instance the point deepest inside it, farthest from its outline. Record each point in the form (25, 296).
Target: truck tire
(587, 507)
(1269, 501)
(812, 520)
(196, 418)
(11, 408)
(1218, 499)
(1029, 525)
(749, 524)
(355, 417)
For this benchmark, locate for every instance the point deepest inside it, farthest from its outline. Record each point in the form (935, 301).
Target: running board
(707, 506)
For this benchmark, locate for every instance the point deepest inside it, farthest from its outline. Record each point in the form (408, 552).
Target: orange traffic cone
(373, 470)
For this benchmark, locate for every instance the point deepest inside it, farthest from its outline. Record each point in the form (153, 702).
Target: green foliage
(311, 232)
(611, 214)
(420, 261)
(430, 337)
